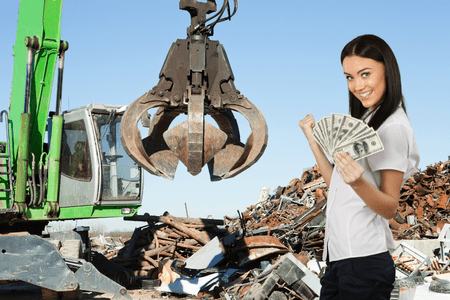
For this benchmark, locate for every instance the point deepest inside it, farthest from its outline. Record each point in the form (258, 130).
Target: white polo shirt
(352, 228)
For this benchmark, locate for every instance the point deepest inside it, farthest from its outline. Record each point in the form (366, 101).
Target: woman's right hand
(307, 125)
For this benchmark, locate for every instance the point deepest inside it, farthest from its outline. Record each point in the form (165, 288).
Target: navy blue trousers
(361, 278)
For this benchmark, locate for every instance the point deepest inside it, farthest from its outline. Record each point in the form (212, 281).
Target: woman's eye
(365, 75)
(349, 78)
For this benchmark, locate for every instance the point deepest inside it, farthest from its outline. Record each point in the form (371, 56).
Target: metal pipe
(42, 178)
(33, 180)
(54, 160)
(22, 159)
(45, 182)
(8, 156)
(32, 44)
(30, 55)
(30, 186)
(62, 50)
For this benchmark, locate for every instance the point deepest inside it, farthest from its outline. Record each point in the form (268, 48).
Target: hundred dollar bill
(358, 149)
(365, 130)
(336, 123)
(318, 129)
(320, 142)
(317, 135)
(321, 132)
(349, 128)
(327, 129)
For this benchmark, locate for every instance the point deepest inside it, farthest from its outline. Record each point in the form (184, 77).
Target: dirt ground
(23, 291)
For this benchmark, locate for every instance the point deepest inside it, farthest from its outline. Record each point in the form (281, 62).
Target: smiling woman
(364, 194)
(366, 80)
(371, 58)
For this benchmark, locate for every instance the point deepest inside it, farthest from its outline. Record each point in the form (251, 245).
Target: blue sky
(285, 59)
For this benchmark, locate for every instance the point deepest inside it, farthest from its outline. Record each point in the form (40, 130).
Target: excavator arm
(37, 47)
(40, 21)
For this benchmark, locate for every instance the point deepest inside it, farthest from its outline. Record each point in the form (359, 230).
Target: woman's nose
(359, 84)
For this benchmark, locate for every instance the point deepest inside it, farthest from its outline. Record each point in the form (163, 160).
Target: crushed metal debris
(273, 249)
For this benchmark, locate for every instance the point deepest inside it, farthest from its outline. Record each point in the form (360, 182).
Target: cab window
(75, 158)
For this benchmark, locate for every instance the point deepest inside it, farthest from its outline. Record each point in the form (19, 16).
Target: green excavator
(88, 162)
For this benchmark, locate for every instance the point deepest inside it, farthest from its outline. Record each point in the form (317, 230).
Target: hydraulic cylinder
(54, 159)
(22, 159)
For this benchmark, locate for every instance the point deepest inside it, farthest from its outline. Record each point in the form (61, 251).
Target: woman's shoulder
(397, 119)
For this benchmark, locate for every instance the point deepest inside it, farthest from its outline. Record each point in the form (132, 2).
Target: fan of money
(343, 132)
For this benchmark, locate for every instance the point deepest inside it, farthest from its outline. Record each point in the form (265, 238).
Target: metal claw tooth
(224, 161)
(158, 152)
(131, 137)
(233, 149)
(177, 138)
(233, 158)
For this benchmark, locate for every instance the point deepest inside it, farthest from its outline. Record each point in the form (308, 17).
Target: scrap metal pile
(284, 231)
(293, 214)
(424, 206)
(221, 259)
(165, 237)
(270, 250)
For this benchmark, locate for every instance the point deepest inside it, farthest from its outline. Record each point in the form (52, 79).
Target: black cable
(209, 29)
(229, 16)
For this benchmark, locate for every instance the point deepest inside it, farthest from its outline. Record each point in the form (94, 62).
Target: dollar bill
(361, 134)
(327, 127)
(358, 149)
(336, 123)
(320, 141)
(321, 136)
(349, 128)
(343, 132)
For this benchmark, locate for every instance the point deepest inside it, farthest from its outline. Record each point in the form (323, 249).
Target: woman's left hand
(349, 169)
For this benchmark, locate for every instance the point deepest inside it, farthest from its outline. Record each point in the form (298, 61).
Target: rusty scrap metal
(257, 247)
(287, 216)
(165, 237)
(265, 231)
(188, 221)
(424, 206)
(290, 220)
(182, 224)
(196, 79)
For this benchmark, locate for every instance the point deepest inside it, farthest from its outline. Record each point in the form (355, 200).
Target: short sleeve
(396, 149)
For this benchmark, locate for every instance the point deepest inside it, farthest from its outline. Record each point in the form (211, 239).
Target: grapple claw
(221, 148)
(196, 79)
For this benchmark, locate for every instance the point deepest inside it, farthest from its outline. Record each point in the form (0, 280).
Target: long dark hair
(373, 47)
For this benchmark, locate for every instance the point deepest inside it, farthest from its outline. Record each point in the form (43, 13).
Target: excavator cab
(95, 169)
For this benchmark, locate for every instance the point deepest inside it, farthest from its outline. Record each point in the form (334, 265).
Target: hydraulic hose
(62, 50)
(42, 178)
(33, 180)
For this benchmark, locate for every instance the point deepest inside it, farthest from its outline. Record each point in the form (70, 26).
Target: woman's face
(366, 79)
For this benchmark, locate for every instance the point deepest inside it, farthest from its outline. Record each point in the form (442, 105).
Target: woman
(363, 195)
